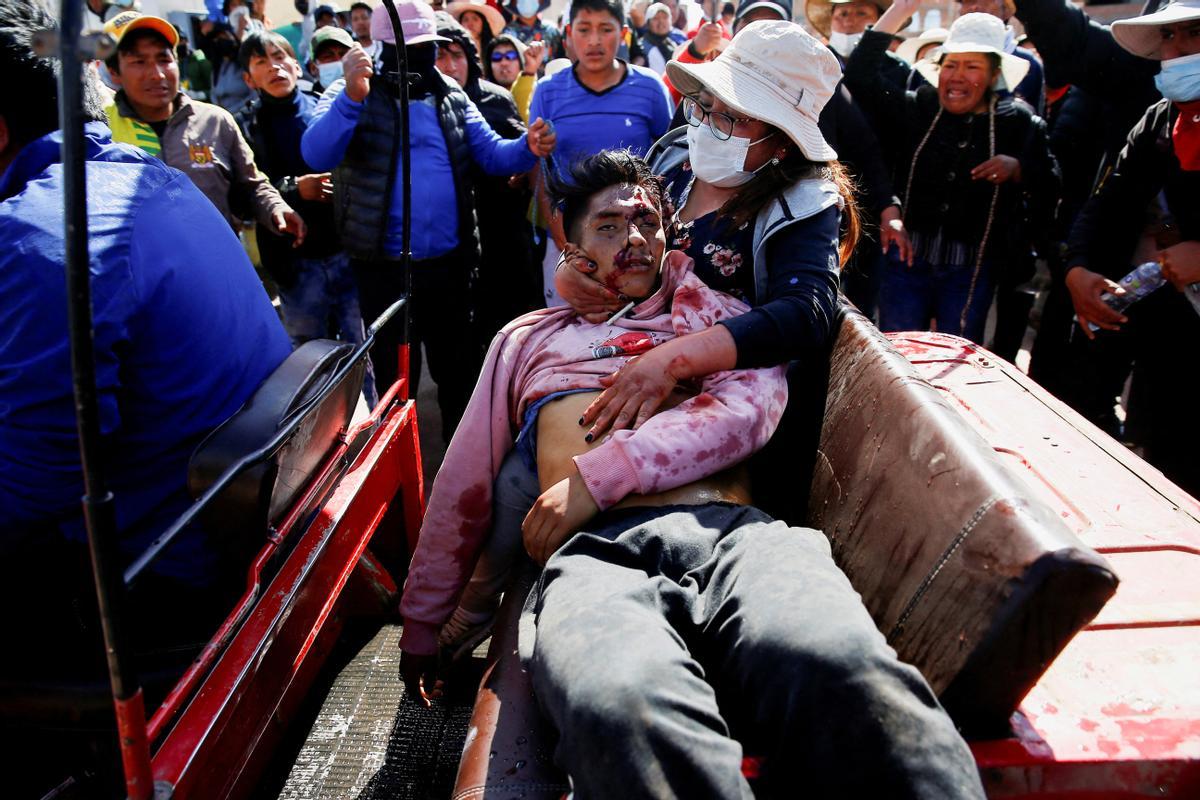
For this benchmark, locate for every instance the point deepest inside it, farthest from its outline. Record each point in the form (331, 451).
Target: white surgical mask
(1179, 79)
(844, 43)
(527, 8)
(329, 72)
(720, 162)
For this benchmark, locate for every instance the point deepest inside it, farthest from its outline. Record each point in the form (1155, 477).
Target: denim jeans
(910, 296)
(323, 304)
(667, 638)
(515, 490)
(325, 292)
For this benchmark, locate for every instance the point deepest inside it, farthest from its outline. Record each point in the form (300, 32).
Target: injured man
(675, 626)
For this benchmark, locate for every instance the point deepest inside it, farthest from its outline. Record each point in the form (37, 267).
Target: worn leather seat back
(260, 494)
(971, 577)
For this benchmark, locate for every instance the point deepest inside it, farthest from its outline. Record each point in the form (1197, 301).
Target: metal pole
(99, 516)
(406, 188)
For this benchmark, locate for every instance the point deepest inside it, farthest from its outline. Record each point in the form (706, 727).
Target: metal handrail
(276, 442)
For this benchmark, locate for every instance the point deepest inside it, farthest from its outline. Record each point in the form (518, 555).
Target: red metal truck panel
(1118, 712)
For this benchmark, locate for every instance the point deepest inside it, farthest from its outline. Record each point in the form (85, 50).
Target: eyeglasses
(719, 123)
(507, 55)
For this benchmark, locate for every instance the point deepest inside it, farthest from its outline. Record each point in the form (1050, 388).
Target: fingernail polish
(581, 420)
(588, 438)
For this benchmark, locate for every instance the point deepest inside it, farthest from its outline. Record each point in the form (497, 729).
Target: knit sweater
(549, 351)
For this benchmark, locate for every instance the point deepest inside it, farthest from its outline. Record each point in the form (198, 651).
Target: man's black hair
(594, 174)
(29, 91)
(355, 6)
(453, 30)
(129, 40)
(259, 43)
(612, 7)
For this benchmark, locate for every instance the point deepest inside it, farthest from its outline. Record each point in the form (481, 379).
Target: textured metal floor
(370, 743)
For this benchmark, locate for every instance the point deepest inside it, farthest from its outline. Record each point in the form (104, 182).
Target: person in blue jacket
(183, 333)
(355, 132)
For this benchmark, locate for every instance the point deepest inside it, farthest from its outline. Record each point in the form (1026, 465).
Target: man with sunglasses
(515, 66)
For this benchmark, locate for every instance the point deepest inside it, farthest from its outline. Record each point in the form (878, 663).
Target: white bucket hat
(773, 71)
(977, 33)
(909, 48)
(1141, 35)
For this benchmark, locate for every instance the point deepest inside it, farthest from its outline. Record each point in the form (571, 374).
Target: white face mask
(528, 8)
(328, 73)
(720, 162)
(844, 43)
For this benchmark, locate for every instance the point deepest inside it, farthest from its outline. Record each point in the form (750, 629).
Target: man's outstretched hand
(289, 222)
(419, 675)
(541, 138)
(560, 511)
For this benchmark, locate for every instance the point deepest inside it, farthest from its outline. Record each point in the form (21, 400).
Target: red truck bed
(1118, 712)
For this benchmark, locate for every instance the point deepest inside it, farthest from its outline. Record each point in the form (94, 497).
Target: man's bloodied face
(622, 232)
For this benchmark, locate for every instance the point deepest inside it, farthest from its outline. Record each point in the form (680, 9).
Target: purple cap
(416, 18)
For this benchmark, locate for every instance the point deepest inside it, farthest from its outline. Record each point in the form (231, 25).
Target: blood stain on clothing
(474, 503)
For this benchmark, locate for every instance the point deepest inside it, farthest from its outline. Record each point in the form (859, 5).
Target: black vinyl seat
(257, 497)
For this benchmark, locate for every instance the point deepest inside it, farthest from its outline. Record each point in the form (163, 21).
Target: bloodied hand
(419, 675)
(573, 278)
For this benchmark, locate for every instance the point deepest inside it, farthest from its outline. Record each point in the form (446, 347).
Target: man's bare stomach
(560, 438)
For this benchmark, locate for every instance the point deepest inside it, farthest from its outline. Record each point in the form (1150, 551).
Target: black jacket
(944, 196)
(1078, 51)
(276, 252)
(362, 182)
(506, 285)
(509, 285)
(1107, 229)
(844, 126)
(1072, 125)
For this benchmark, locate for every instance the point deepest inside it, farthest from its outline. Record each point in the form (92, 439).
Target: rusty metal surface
(972, 577)
(509, 749)
(1118, 712)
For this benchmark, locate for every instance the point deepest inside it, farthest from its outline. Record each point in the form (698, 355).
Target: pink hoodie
(554, 350)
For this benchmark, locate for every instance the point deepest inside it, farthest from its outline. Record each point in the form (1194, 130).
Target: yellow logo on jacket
(201, 156)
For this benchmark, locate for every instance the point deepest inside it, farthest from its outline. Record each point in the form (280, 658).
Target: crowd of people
(969, 149)
(697, 186)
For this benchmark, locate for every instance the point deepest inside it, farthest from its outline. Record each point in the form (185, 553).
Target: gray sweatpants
(668, 638)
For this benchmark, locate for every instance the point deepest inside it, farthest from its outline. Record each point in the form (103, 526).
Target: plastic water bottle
(1141, 282)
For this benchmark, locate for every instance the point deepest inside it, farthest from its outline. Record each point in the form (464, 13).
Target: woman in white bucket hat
(759, 200)
(967, 160)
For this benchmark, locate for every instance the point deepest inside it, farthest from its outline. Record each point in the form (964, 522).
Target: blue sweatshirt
(184, 333)
(434, 203)
(633, 114)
